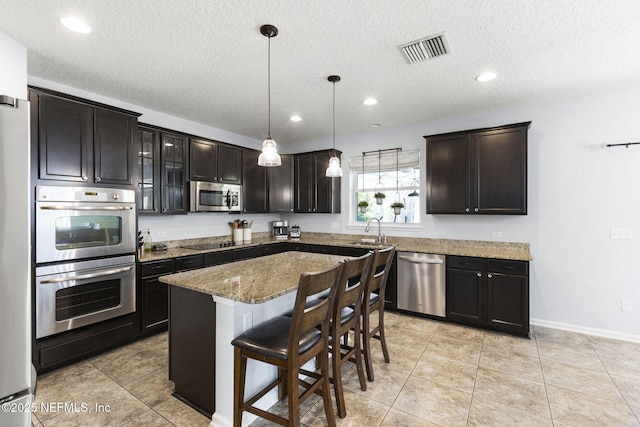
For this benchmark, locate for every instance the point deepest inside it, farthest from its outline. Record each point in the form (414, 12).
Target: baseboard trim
(584, 330)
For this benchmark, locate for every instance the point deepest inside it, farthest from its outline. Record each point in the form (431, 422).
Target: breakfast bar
(209, 307)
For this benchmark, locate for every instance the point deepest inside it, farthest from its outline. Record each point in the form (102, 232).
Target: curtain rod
(364, 153)
(625, 144)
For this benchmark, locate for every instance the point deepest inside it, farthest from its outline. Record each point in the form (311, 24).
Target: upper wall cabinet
(214, 162)
(81, 142)
(148, 170)
(314, 192)
(173, 167)
(267, 189)
(481, 171)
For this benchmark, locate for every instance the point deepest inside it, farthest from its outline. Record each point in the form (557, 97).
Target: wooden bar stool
(373, 301)
(345, 318)
(289, 343)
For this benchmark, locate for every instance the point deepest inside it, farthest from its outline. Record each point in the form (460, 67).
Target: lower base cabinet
(490, 293)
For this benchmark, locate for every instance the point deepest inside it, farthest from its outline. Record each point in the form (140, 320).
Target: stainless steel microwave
(214, 197)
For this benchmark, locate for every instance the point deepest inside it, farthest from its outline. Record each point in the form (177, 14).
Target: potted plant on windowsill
(379, 198)
(397, 207)
(363, 206)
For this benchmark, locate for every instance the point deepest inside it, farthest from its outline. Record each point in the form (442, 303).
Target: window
(396, 177)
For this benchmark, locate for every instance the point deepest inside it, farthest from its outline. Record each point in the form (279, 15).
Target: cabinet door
(155, 302)
(303, 183)
(326, 191)
(148, 153)
(448, 180)
(113, 147)
(500, 167)
(508, 302)
(256, 187)
(281, 187)
(65, 140)
(174, 156)
(229, 164)
(203, 158)
(464, 296)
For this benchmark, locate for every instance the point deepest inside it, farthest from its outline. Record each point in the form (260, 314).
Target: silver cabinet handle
(86, 208)
(479, 274)
(467, 210)
(84, 178)
(86, 276)
(489, 276)
(421, 261)
(476, 209)
(98, 179)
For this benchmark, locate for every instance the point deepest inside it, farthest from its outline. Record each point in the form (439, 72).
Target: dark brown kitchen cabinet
(281, 185)
(173, 168)
(214, 161)
(256, 187)
(154, 296)
(314, 192)
(80, 141)
(491, 293)
(482, 171)
(148, 152)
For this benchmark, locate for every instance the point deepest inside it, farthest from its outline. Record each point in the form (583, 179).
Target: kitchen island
(209, 307)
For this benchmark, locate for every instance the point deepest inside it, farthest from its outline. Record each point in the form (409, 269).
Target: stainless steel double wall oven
(85, 256)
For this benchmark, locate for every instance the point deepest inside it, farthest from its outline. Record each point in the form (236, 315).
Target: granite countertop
(254, 281)
(473, 248)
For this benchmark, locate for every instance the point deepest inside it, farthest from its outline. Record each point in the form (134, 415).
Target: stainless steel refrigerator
(15, 264)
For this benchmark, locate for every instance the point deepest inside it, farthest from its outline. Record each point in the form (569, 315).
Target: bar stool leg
(326, 390)
(240, 364)
(293, 395)
(383, 340)
(337, 375)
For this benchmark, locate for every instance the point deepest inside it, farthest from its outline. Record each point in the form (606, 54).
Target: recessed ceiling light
(295, 118)
(375, 125)
(75, 24)
(486, 77)
(370, 101)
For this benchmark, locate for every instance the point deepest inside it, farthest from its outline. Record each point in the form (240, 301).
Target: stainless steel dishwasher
(421, 283)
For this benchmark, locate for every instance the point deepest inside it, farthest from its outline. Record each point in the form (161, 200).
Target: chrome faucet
(381, 237)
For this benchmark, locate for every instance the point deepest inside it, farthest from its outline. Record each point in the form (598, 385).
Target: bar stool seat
(271, 338)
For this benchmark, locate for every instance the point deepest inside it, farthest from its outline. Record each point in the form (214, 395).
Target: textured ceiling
(206, 60)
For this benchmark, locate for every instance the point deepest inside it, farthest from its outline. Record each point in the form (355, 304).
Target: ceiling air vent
(423, 49)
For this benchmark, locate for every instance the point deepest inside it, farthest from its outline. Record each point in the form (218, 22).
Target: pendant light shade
(334, 170)
(269, 156)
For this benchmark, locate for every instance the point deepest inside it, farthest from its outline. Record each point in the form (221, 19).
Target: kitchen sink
(371, 244)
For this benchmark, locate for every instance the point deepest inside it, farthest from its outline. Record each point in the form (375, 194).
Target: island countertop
(254, 281)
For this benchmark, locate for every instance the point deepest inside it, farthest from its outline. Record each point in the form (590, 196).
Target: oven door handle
(86, 276)
(86, 208)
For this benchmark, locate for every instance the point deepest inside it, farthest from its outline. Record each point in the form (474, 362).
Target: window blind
(387, 160)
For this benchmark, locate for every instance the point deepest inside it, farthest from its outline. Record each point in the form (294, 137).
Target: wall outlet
(162, 234)
(497, 234)
(627, 306)
(441, 231)
(247, 321)
(621, 233)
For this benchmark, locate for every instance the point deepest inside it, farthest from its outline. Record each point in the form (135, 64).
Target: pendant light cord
(269, 85)
(334, 118)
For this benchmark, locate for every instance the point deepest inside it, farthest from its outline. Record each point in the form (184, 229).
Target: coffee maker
(280, 229)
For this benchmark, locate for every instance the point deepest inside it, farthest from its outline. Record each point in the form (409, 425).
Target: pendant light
(334, 170)
(269, 155)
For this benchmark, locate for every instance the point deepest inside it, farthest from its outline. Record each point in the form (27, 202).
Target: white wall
(13, 72)
(577, 192)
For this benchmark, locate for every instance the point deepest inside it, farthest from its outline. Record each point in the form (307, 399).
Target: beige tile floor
(440, 375)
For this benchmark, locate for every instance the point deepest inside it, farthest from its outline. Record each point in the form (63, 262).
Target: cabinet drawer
(157, 268)
(464, 262)
(216, 258)
(244, 253)
(520, 268)
(273, 248)
(322, 249)
(289, 246)
(189, 262)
